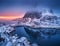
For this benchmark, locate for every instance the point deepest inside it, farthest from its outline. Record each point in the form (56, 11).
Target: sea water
(53, 40)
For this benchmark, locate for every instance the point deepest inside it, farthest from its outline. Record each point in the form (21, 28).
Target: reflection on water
(42, 36)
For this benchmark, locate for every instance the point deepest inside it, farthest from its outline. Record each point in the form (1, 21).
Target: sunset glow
(11, 16)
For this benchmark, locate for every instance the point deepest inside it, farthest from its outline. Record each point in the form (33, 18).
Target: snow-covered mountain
(45, 18)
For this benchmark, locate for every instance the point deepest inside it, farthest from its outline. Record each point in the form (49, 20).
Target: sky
(11, 9)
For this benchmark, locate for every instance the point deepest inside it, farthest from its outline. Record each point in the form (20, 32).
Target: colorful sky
(12, 9)
(11, 16)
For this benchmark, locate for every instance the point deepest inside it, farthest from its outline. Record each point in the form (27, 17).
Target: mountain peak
(32, 15)
(48, 12)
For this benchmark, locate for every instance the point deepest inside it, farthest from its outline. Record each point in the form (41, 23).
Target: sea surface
(41, 38)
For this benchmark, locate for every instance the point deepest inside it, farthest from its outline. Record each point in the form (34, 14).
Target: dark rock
(1, 39)
(33, 15)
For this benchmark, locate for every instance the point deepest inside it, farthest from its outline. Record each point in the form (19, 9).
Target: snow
(12, 40)
(6, 28)
(9, 44)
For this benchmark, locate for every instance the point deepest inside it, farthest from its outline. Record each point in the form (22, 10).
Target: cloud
(49, 3)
